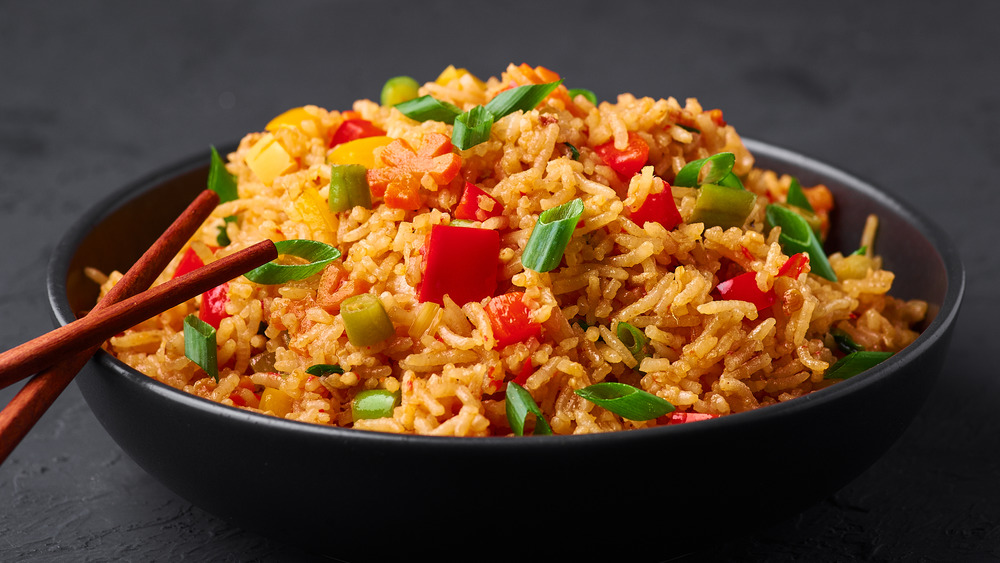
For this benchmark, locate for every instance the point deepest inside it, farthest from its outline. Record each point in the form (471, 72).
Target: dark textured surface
(95, 94)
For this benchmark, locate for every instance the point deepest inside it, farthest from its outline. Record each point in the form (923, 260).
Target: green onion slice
(519, 404)
(399, 89)
(349, 188)
(365, 320)
(719, 167)
(222, 239)
(472, 127)
(200, 346)
(688, 128)
(722, 206)
(797, 236)
(633, 339)
(220, 180)
(797, 197)
(320, 370)
(317, 253)
(845, 342)
(550, 236)
(861, 251)
(522, 98)
(855, 363)
(575, 152)
(590, 95)
(374, 403)
(428, 108)
(626, 401)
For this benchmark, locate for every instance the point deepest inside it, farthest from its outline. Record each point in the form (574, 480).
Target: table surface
(95, 94)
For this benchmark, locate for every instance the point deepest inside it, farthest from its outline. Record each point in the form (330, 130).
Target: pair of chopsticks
(57, 356)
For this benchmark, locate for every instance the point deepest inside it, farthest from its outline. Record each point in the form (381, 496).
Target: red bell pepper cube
(471, 207)
(352, 129)
(460, 262)
(213, 305)
(682, 417)
(190, 262)
(744, 288)
(626, 162)
(511, 319)
(658, 208)
(794, 266)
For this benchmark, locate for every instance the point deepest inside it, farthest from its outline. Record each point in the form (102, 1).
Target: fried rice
(705, 354)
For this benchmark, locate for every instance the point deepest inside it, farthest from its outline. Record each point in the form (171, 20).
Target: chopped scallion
(519, 404)
(399, 89)
(855, 363)
(591, 96)
(320, 370)
(548, 240)
(374, 403)
(860, 251)
(200, 346)
(574, 152)
(472, 127)
(428, 108)
(222, 239)
(365, 320)
(722, 206)
(797, 197)
(522, 98)
(633, 339)
(316, 253)
(220, 180)
(626, 401)
(719, 166)
(797, 236)
(349, 188)
(845, 342)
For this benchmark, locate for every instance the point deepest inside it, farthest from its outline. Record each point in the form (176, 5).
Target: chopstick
(27, 407)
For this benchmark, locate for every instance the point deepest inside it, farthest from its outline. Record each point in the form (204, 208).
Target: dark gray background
(96, 94)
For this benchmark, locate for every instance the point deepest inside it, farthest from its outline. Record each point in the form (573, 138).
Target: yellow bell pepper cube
(451, 73)
(359, 151)
(291, 118)
(276, 401)
(267, 159)
(314, 210)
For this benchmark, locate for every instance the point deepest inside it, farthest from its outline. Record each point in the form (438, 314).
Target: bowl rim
(59, 262)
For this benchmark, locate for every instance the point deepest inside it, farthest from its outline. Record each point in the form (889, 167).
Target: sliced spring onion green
(633, 339)
(548, 240)
(399, 89)
(861, 251)
(574, 152)
(365, 320)
(317, 253)
(428, 108)
(374, 403)
(626, 401)
(349, 187)
(220, 180)
(722, 206)
(797, 236)
(719, 166)
(815, 223)
(519, 404)
(591, 96)
(472, 127)
(461, 223)
(222, 239)
(797, 197)
(522, 98)
(320, 370)
(200, 346)
(855, 363)
(688, 128)
(845, 342)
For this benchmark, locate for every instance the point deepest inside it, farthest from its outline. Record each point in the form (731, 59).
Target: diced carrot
(399, 169)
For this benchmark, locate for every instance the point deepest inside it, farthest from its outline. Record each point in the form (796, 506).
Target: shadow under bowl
(645, 494)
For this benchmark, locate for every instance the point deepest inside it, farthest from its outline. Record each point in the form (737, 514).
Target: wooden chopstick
(31, 402)
(99, 325)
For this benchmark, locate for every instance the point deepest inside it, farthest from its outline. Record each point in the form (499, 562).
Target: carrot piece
(399, 169)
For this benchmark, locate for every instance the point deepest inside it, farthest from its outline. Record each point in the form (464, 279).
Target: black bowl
(645, 494)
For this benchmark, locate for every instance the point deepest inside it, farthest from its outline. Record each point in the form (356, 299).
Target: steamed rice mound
(704, 354)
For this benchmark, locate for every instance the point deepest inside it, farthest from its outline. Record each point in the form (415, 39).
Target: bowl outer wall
(335, 487)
